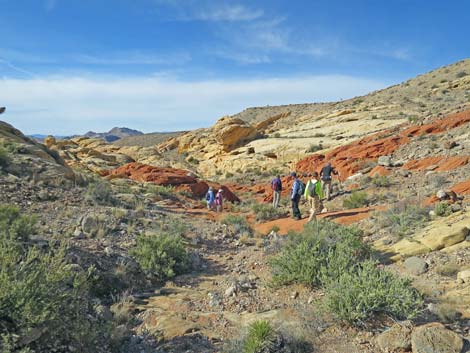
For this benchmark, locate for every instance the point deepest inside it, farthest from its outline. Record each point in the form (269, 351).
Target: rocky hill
(114, 134)
(146, 140)
(289, 133)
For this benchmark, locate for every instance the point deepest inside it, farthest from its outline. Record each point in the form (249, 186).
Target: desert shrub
(14, 225)
(323, 249)
(239, 224)
(4, 158)
(364, 290)
(162, 190)
(261, 337)
(356, 200)
(442, 209)
(162, 256)
(277, 135)
(45, 304)
(229, 175)
(403, 218)
(381, 181)
(265, 212)
(315, 148)
(461, 74)
(100, 193)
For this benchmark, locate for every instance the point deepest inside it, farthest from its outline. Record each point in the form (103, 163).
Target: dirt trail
(344, 217)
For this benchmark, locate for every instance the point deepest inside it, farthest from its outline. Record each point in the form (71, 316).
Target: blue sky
(69, 66)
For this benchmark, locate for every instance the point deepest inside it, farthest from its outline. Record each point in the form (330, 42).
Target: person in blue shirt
(296, 193)
(210, 198)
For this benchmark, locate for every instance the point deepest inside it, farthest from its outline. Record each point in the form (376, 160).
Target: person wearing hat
(296, 193)
(219, 200)
(210, 199)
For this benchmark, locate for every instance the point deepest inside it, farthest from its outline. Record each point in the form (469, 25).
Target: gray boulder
(385, 161)
(415, 265)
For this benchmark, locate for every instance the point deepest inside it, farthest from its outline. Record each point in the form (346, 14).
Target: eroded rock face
(231, 133)
(29, 159)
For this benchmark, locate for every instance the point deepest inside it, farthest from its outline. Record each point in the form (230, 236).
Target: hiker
(296, 193)
(314, 195)
(325, 176)
(210, 198)
(219, 200)
(276, 185)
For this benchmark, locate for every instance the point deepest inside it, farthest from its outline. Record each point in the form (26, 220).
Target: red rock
(179, 178)
(379, 171)
(462, 188)
(443, 163)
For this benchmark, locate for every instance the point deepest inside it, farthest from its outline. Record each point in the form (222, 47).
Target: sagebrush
(162, 256)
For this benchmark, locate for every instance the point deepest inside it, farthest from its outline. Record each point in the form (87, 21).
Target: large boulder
(435, 338)
(231, 133)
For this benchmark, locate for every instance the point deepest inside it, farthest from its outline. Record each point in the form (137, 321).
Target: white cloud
(226, 13)
(133, 58)
(68, 105)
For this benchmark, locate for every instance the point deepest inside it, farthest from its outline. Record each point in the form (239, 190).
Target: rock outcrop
(29, 159)
(182, 180)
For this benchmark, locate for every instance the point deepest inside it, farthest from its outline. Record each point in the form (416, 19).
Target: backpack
(311, 188)
(301, 188)
(208, 196)
(275, 184)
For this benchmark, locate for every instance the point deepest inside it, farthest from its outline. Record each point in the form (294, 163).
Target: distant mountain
(114, 134)
(41, 137)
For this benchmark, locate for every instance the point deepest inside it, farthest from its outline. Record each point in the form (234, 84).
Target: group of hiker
(214, 201)
(315, 191)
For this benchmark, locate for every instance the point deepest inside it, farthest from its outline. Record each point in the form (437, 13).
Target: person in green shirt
(314, 195)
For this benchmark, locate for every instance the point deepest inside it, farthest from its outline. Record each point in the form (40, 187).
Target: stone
(443, 236)
(435, 338)
(416, 265)
(464, 276)
(109, 251)
(396, 339)
(231, 291)
(89, 224)
(385, 161)
(441, 195)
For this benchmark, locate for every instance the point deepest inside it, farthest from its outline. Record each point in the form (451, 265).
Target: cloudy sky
(69, 66)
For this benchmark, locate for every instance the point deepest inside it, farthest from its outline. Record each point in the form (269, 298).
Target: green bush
(323, 249)
(364, 290)
(45, 305)
(266, 212)
(162, 256)
(381, 181)
(239, 224)
(315, 148)
(356, 200)
(13, 225)
(261, 338)
(4, 158)
(442, 209)
(162, 190)
(403, 218)
(101, 193)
